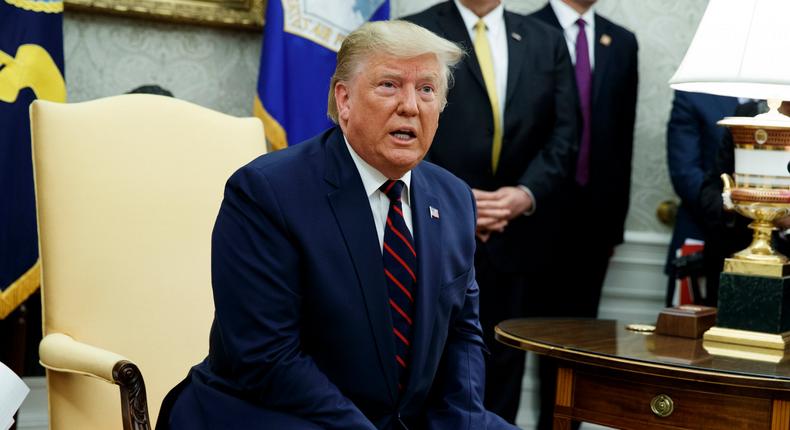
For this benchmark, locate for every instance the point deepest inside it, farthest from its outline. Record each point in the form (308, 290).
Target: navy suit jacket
(614, 91)
(693, 139)
(539, 141)
(302, 328)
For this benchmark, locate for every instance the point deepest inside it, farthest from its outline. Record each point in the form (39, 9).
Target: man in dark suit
(342, 267)
(594, 201)
(509, 131)
(693, 138)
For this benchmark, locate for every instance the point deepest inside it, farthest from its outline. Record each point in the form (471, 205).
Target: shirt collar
(372, 179)
(493, 20)
(567, 16)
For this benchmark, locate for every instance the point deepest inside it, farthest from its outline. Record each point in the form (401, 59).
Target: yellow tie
(483, 53)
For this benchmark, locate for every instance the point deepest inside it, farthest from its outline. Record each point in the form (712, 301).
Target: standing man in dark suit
(509, 131)
(342, 267)
(693, 139)
(606, 78)
(605, 63)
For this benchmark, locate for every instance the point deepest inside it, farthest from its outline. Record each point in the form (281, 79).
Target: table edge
(640, 366)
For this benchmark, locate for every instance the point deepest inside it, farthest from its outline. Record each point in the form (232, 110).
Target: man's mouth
(404, 135)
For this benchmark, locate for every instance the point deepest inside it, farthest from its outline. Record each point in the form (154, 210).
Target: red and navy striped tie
(400, 270)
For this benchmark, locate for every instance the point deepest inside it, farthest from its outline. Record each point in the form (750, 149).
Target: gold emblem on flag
(33, 68)
(38, 5)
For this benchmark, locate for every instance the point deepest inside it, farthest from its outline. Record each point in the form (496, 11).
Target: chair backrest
(127, 189)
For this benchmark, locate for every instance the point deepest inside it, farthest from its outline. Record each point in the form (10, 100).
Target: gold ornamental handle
(662, 405)
(726, 193)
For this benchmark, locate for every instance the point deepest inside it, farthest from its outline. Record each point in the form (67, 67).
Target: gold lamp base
(744, 352)
(749, 267)
(757, 339)
(747, 345)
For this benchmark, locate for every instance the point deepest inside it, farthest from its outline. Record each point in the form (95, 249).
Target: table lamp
(742, 49)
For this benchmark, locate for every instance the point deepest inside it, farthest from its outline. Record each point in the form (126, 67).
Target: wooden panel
(780, 417)
(624, 402)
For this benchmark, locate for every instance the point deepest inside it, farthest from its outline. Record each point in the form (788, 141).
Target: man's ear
(342, 99)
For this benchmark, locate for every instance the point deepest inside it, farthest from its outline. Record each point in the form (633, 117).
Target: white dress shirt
(567, 18)
(497, 40)
(372, 180)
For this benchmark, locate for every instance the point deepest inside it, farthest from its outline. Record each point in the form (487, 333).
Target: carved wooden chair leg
(134, 405)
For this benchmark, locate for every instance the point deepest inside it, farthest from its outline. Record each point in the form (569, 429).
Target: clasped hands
(496, 208)
(781, 223)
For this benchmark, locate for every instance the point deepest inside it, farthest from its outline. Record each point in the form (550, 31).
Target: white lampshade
(741, 49)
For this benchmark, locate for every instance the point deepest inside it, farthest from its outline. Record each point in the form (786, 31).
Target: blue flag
(300, 43)
(31, 67)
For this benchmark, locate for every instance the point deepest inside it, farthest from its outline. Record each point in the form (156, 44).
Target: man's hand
(781, 223)
(496, 208)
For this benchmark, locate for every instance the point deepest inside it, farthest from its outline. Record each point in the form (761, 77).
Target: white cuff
(532, 197)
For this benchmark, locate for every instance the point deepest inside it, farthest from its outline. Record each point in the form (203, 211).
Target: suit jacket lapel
(427, 239)
(454, 29)
(602, 56)
(515, 54)
(350, 206)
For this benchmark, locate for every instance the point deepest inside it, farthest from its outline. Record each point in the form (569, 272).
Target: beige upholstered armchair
(127, 189)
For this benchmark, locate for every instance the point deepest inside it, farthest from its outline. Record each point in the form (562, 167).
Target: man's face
(389, 111)
(581, 4)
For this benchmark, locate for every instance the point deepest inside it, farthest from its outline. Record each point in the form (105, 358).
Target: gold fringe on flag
(20, 290)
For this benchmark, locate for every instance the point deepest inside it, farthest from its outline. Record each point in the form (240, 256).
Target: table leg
(562, 423)
(780, 415)
(564, 397)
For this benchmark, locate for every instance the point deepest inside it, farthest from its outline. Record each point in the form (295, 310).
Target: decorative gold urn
(753, 318)
(760, 191)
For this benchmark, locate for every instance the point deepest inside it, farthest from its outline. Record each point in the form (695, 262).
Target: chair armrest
(62, 353)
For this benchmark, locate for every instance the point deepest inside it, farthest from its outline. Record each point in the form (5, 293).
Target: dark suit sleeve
(458, 389)
(725, 232)
(257, 294)
(555, 160)
(684, 151)
(719, 223)
(710, 200)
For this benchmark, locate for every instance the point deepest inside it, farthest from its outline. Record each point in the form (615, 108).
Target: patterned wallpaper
(107, 55)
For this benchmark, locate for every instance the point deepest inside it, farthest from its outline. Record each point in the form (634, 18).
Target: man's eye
(387, 85)
(427, 89)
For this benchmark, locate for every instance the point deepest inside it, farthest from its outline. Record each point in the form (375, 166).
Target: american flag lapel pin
(434, 212)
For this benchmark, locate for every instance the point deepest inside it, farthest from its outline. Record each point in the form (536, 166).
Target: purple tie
(583, 82)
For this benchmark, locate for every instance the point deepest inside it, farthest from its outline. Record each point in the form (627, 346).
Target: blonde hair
(397, 38)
